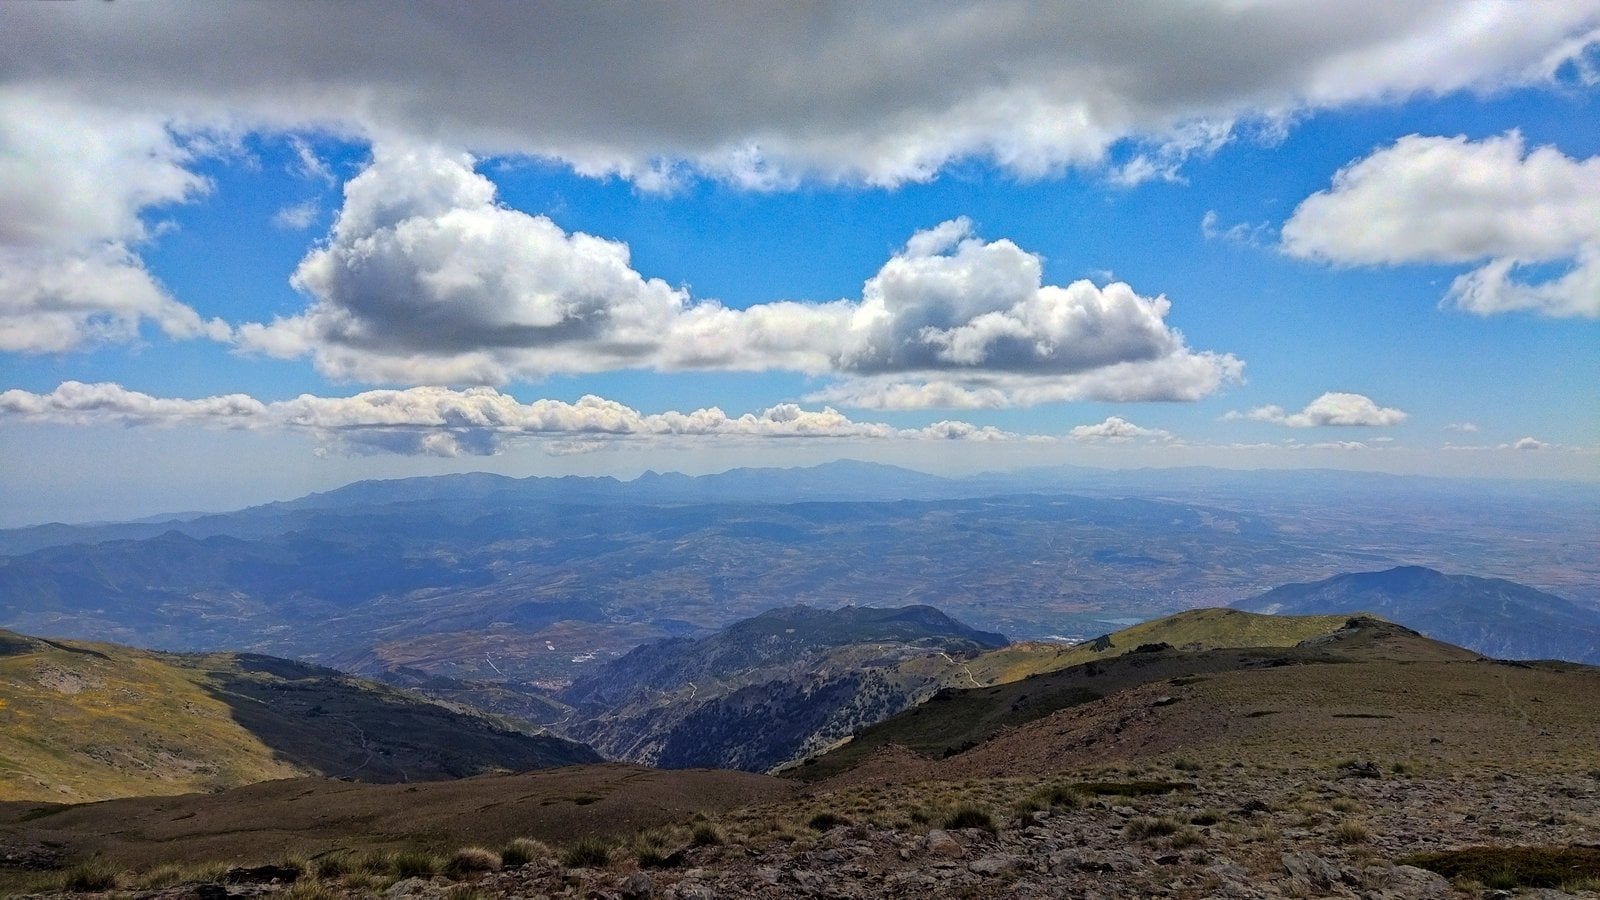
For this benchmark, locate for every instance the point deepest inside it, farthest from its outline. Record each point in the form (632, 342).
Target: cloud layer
(438, 421)
(1333, 408)
(104, 110)
(426, 278)
(1451, 200)
(766, 95)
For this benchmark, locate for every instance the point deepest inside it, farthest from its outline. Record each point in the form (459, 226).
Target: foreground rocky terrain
(1140, 832)
(1366, 762)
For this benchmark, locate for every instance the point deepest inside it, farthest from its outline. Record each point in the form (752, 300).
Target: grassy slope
(1197, 629)
(956, 720)
(83, 721)
(87, 722)
(1377, 693)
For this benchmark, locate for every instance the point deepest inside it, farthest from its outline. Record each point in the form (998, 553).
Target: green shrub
(969, 815)
(1146, 827)
(1063, 795)
(1207, 816)
(591, 853)
(333, 865)
(91, 875)
(521, 851)
(1350, 832)
(415, 864)
(823, 821)
(706, 835)
(471, 861)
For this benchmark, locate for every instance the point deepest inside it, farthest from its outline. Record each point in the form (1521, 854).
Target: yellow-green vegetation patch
(1506, 868)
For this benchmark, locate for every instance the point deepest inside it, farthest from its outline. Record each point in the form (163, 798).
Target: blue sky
(957, 239)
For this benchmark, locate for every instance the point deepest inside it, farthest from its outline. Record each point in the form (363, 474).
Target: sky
(250, 251)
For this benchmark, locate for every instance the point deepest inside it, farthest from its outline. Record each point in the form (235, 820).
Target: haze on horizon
(247, 252)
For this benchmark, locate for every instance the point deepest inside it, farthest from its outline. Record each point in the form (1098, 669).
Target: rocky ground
(1230, 832)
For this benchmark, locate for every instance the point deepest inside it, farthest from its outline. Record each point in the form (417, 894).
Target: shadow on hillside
(341, 728)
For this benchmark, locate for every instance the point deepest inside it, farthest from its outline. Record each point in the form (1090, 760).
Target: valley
(1011, 694)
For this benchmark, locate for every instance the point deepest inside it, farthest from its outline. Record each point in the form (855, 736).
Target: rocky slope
(1371, 762)
(769, 689)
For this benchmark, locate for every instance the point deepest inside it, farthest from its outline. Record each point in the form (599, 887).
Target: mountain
(768, 689)
(86, 721)
(839, 480)
(1370, 689)
(1493, 616)
(1195, 629)
(524, 585)
(1014, 685)
(1365, 761)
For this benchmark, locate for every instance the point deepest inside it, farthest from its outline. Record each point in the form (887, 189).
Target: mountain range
(1358, 760)
(521, 586)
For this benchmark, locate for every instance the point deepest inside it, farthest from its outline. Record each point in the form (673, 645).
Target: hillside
(768, 689)
(1367, 762)
(81, 721)
(956, 721)
(1196, 629)
(1493, 616)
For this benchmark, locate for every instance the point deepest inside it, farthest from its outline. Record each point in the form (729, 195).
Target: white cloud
(758, 96)
(297, 217)
(75, 181)
(1331, 409)
(308, 164)
(442, 422)
(768, 95)
(1116, 428)
(426, 278)
(1451, 200)
(1212, 229)
(1462, 427)
(76, 403)
(52, 302)
(1530, 443)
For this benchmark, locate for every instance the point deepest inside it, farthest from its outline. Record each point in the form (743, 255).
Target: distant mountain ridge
(1493, 616)
(839, 480)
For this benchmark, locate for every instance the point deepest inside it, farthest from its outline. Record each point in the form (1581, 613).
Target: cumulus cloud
(75, 181)
(1463, 427)
(1452, 201)
(769, 95)
(1330, 409)
(76, 403)
(52, 302)
(1529, 443)
(1116, 428)
(761, 97)
(426, 277)
(439, 421)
